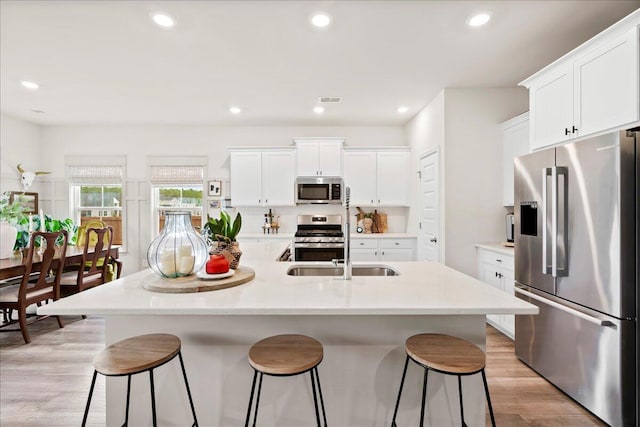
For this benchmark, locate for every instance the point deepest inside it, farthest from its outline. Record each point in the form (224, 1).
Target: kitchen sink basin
(330, 270)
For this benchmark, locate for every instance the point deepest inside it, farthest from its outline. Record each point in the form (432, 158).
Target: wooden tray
(189, 284)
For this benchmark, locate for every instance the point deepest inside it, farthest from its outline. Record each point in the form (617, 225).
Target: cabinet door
(606, 85)
(364, 255)
(515, 143)
(508, 320)
(359, 173)
(330, 158)
(246, 178)
(307, 155)
(278, 178)
(551, 109)
(490, 276)
(392, 178)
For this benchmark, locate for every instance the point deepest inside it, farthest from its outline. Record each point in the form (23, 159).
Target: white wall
(19, 143)
(138, 142)
(465, 124)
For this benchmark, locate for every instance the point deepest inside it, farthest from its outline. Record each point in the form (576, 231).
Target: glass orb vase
(179, 250)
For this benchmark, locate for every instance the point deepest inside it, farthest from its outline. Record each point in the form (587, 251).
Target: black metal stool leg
(153, 399)
(395, 411)
(255, 415)
(126, 414)
(461, 406)
(86, 409)
(324, 415)
(184, 374)
(253, 387)
(424, 396)
(486, 390)
(315, 398)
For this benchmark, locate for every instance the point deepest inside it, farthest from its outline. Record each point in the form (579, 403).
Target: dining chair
(92, 271)
(49, 261)
(115, 265)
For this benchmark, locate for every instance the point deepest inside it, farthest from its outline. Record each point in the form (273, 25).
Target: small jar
(178, 250)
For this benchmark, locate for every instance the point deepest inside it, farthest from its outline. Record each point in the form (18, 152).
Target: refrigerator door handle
(564, 308)
(546, 172)
(559, 248)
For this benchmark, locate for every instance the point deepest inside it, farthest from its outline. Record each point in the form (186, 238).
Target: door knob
(433, 240)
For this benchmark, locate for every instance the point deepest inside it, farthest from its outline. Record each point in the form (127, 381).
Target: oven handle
(318, 245)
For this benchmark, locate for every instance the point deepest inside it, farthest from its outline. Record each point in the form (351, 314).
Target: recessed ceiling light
(163, 20)
(320, 19)
(403, 109)
(478, 20)
(318, 110)
(235, 110)
(29, 85)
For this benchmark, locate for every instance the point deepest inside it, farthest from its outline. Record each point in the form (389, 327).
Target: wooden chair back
(52, 264)
(96, 263)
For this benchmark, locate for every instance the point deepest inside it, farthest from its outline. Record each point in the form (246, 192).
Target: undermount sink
(330, 270)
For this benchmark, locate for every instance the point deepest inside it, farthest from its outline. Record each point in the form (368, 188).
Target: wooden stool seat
(285, 354)
(137, 354)
(445, 353)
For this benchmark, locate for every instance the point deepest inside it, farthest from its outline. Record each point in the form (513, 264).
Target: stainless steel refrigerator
(576, 258)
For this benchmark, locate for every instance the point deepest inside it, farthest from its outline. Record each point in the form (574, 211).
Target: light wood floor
(45, 383)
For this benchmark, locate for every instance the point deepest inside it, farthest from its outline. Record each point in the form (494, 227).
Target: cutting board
(182, 285)
(380, 221)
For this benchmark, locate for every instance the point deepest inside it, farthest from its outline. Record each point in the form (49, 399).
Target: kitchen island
(362, 324)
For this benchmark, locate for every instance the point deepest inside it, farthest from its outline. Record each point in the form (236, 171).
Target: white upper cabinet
(377, 177)
(262, 177)
(592, 89)
(319, 157)
(515, 143)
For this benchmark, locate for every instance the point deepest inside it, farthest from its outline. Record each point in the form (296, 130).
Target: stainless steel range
(318, 238)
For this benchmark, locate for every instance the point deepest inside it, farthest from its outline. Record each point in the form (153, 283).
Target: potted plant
(11, 214)
(221, 234)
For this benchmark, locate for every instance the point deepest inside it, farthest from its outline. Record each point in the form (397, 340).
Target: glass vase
(178, 250)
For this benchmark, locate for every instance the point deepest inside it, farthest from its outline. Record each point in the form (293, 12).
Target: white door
(429, 208)
(330, 158)
(307, 159)
(246, 178)
(359, 170)
(278, 178)
(391, 178)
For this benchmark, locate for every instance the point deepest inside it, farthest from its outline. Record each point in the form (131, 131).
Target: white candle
(184, 250)
(42, 228)
(168, 263)
(30, 224)
(186, 265)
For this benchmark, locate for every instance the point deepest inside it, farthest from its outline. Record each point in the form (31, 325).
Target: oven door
(318, 251)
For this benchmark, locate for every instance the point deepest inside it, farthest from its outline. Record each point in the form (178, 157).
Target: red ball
(217, 264)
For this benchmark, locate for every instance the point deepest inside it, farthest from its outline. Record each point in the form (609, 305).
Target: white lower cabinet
(496, 269)
(371, 249)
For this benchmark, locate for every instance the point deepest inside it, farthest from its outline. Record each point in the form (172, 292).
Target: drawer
(364, 244)
(396, 243)
(496, 259)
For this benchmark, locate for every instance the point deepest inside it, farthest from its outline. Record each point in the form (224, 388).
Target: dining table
(14, 266)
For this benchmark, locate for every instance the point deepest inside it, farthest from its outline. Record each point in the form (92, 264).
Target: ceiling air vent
(325, 99)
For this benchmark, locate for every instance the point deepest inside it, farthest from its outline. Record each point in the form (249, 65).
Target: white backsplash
(253, 217)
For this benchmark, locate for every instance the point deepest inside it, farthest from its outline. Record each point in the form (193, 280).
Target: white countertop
(422, 288)
(496, 247)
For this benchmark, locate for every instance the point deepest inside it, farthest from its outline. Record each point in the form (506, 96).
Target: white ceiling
(105, 62)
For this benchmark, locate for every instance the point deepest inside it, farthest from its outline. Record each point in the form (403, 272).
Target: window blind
(95, 175)
(177, 175)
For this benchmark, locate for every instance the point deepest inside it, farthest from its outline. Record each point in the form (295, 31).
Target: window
(96, 195)
(177, 188)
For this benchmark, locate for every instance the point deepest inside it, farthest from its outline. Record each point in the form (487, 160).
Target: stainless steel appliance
(576, 258)
(510, 223)
(318, 238)
(319, 190)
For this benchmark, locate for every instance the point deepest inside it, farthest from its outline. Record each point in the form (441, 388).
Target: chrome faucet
(347, 236)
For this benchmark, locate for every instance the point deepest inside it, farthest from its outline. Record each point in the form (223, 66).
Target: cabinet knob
(499, 260)
(574, 129)
(397, 243)
(567, 131)
(371, 201)
(378, 200)
(433, 240)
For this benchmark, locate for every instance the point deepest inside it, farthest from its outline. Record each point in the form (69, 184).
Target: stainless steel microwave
(319, 190)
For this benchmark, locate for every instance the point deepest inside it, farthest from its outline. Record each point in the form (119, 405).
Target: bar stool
(134, 356)
(447, 355)
(283, 356)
